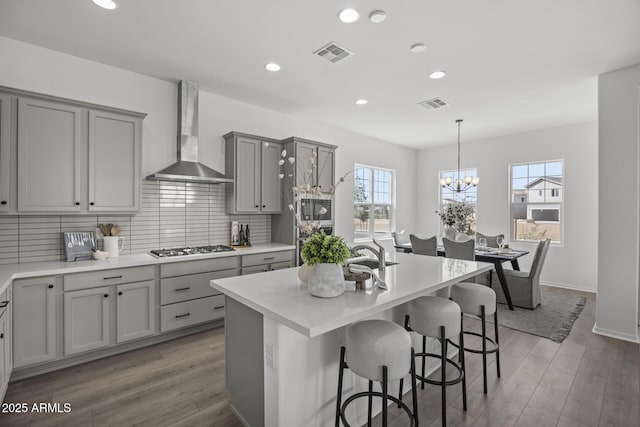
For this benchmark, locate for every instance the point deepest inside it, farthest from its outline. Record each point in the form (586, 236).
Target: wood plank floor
(588, 380)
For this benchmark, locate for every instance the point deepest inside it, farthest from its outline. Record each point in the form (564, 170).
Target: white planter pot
(304, 274)
(326, 280)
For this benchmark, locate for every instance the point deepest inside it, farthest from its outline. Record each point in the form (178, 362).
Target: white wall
(619, 241)
(572, 264)
(42, 70)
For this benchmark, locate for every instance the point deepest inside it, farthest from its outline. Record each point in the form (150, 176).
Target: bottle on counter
(242, 235)
(247, 238)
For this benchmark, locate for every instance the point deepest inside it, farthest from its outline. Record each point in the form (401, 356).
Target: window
(373, 202)
(470, 195)
(536, 201)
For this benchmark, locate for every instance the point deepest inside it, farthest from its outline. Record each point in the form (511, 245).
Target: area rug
(552, 319)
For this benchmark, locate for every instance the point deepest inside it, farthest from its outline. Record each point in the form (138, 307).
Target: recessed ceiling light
(437, 74)
(361, 101)
(106, 4)
(348, 15)
(377, 16)
(272, 66)
(417, 47)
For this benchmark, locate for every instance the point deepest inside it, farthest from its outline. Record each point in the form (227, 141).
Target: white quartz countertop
(280, 295)
(10, 272)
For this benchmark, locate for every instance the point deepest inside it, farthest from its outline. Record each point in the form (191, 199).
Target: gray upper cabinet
(67, 156)
(114, 162)
(49, 156)
(325, 169)
(5, 152)
(321, 168)
(253, 162)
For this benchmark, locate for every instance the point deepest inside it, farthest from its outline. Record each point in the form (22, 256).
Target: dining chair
(400, 238)
(524, 286)
(459, 250)
(491, 240)
(424, 246)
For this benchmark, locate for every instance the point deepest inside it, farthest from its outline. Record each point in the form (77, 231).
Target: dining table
(492, 255)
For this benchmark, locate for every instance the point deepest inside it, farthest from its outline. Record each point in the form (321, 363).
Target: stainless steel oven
(316, 209)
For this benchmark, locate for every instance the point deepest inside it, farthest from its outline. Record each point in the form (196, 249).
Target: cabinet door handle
(3, 304)
(218, 307)
(182, 289)
(112, 277)
(264, 206)
(1, 336)
(91, 203)
(50, 286)
(182, 315)
(77, 203)
(268, 258)
(257, 206)
(106, 295)
(4, 202)
(120, 293)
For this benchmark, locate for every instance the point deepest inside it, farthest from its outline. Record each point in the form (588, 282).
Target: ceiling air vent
(333, 52)
(433, 104)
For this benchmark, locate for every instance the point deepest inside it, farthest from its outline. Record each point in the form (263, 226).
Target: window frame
(392, 203)
(510, 202)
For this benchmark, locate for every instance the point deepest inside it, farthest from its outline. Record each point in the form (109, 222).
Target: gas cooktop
(196, 250)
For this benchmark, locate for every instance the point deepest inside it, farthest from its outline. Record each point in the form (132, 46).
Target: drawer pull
(112, 277)
(50, 286)
(182, 289)
(218, 307)
(269, 257)
(182, 315)
(1, 336)
(106, 295)
(3, 304)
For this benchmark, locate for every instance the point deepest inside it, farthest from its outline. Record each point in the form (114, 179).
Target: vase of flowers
(457, 217)
(325, 255)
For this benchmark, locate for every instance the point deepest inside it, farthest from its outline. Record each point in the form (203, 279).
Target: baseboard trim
(615, 334)
(66, 362)
(570, 287)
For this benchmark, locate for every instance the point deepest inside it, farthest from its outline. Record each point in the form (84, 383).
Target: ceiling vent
(333, 52)
(433, 103)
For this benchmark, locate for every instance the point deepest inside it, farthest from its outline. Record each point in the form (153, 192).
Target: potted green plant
(325, 255)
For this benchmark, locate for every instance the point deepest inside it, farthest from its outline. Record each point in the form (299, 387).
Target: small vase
(462, 237)
(304, 274)
(326, 280)
(450, 233)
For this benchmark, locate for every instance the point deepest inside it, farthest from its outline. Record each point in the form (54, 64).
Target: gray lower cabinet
(49, 156)
(86, 320)
(135, 310)
(6, 364)
(96, 302)
(260, 263)
(188, 299)
(34, 320)
(5, 153)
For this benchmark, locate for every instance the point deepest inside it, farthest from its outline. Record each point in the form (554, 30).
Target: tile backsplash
(172, 214)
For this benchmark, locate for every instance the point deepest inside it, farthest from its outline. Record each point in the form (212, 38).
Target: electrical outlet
(270, 354)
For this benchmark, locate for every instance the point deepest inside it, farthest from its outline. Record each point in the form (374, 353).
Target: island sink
(371, 263)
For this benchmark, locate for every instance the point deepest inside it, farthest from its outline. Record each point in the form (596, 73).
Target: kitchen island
(283, 345)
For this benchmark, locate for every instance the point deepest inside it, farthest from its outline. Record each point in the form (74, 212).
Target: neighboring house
(544, 199)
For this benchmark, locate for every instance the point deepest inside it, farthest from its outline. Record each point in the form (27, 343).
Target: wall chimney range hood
(187, 168)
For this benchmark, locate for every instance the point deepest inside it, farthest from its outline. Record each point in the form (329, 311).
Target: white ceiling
(513, 65)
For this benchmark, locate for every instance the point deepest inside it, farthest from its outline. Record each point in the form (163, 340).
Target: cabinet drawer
(266, 258)
(200, 266)
(182, 314)
(255, 269)
(281, 265)
(192, 286)
(116, 276)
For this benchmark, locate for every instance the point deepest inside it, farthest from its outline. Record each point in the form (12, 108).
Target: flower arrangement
(322, 249)
(459, 215)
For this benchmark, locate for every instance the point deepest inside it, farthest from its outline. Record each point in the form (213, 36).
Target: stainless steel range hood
(187, 168)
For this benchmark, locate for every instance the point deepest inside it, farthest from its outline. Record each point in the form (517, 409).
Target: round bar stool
(480, 301)
(380, 351)
(439, 318)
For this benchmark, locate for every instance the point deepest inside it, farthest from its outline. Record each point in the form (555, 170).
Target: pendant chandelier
(460, 184)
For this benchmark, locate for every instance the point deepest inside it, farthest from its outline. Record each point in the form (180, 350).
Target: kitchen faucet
(379, 253)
